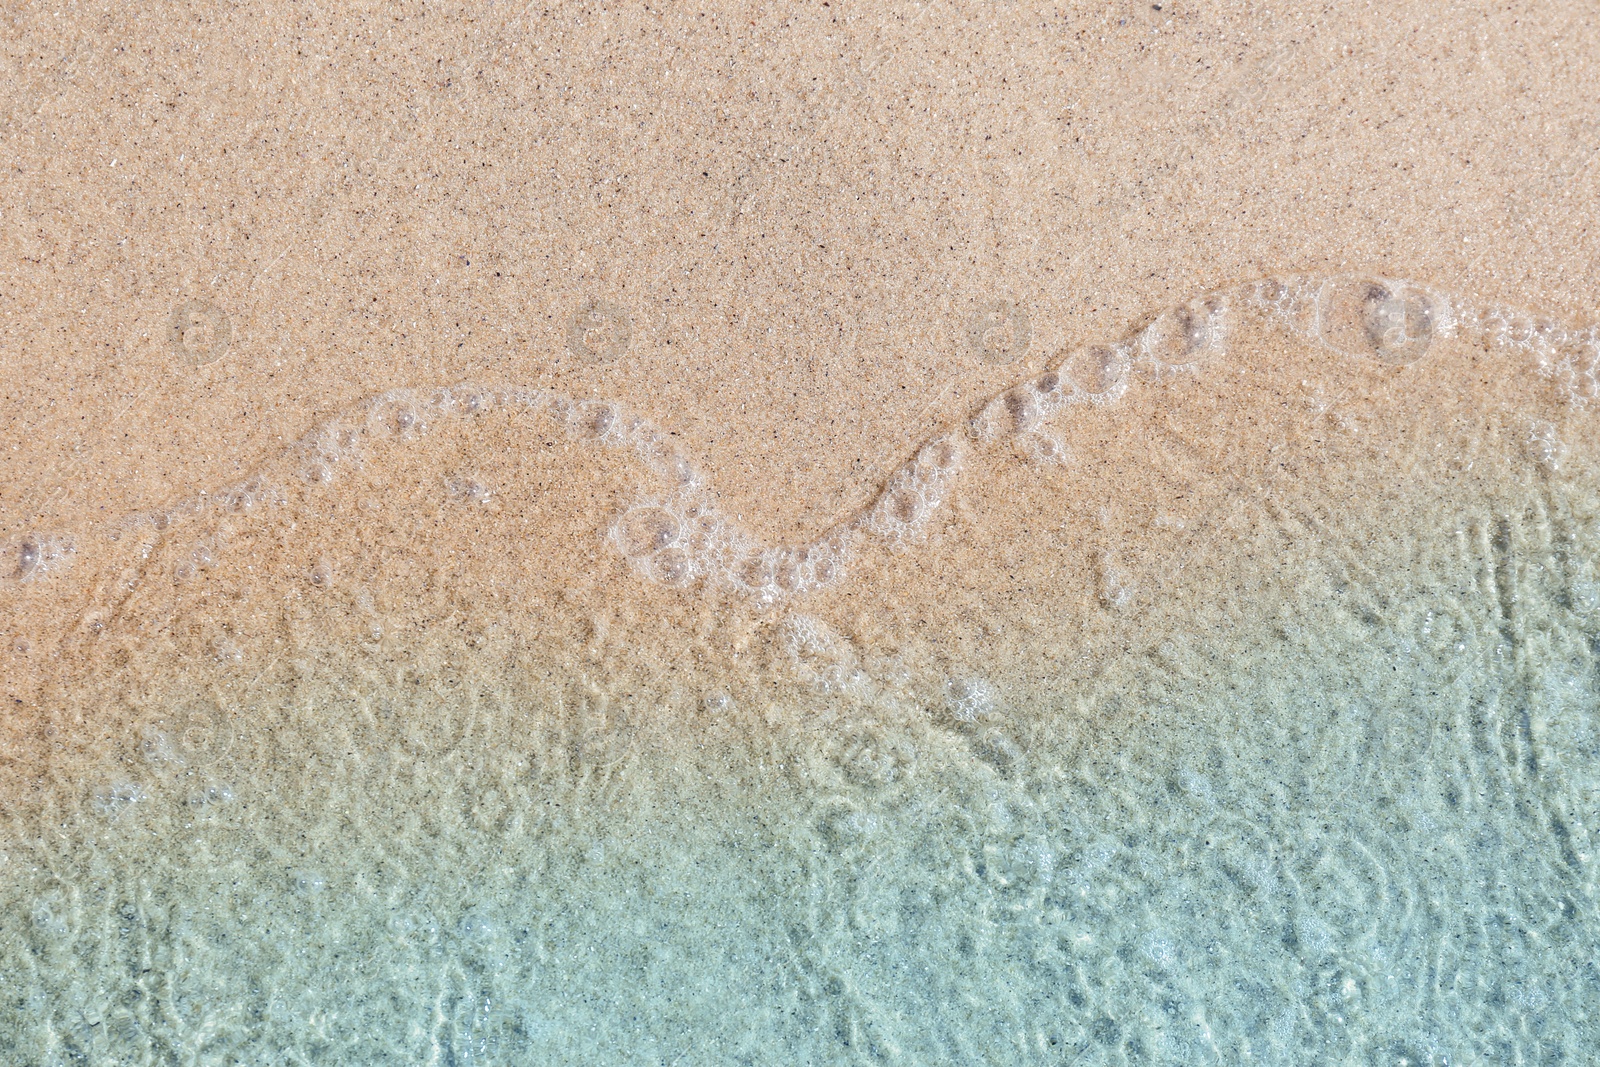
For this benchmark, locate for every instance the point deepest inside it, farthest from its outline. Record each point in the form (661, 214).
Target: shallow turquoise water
(1295, 887)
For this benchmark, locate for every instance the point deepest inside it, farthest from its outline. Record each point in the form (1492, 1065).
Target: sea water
(1225, 692)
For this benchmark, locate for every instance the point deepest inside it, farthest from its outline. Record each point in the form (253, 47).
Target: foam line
(674, 533)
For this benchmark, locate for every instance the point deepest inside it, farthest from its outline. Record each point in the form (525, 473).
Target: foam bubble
(1116, 587)
(1043, 449)
(199, 559)
(1545, 446)
(1390, 321)
(212, 795)
(321, 574)
(672, 566)
(198, 332)
(333, 444)
(52, 915)
(1184, 337)
(1577, 369)
(399, 416)
(308, 883)
(463, 399)
(915, 492)
(600, 332)
(874, 756)
(415, 925)
(1292, 301)
(1013, 412)
(477, 927)
(593, 420)
(247, 496)
(645, 529)
(193, 733)
(820, 655)
(113, 800)
(1020, 410)
(1000, 332)
(776, 573)
(1099, 372)
(1570, 355)
(39, 556)
(969, 700)
(465, 489)
(941, 454)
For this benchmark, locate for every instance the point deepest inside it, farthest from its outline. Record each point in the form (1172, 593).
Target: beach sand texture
(823, 534)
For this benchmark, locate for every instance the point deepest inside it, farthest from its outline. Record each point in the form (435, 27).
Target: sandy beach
(823, 534)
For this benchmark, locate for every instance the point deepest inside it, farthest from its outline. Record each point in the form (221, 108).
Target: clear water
(1224, 693)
